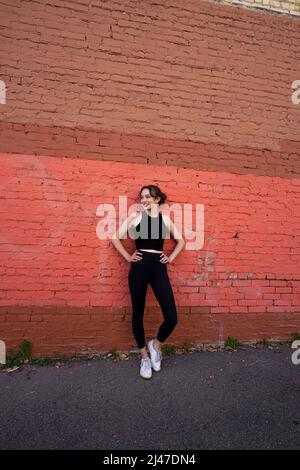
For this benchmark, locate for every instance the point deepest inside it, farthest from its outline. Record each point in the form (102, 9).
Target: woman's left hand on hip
(164, 258)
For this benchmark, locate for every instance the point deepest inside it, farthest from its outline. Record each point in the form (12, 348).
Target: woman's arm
(115, 239)
(177, 236)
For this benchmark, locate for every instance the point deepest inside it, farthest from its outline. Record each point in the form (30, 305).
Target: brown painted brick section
(203, 85)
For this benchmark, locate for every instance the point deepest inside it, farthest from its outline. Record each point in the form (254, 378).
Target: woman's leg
(163, 291)
(138, 282)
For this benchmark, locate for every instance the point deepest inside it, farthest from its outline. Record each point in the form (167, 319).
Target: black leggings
(150, 270)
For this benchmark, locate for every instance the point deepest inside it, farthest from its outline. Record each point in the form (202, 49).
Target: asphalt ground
(244, 399)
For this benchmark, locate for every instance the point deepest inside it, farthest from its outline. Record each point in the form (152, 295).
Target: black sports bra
(150, 233)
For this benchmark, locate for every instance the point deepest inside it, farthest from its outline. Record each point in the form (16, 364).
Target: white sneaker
(156, 355)
(146, 370)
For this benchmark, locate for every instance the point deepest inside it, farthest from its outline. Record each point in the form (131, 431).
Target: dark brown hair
(155, 192)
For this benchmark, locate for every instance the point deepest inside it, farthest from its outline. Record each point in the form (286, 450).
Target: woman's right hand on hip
(136, 256)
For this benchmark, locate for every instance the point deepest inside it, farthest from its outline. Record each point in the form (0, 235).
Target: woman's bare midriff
(150, 251)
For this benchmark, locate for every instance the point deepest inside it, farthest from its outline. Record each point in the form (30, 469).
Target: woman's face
(147, 200)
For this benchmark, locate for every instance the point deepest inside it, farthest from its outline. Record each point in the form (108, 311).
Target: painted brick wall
(196, 99)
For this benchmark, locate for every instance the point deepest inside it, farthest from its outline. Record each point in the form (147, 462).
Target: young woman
(148, 265)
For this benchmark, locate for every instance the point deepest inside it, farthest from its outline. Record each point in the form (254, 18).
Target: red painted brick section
(63, 288)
